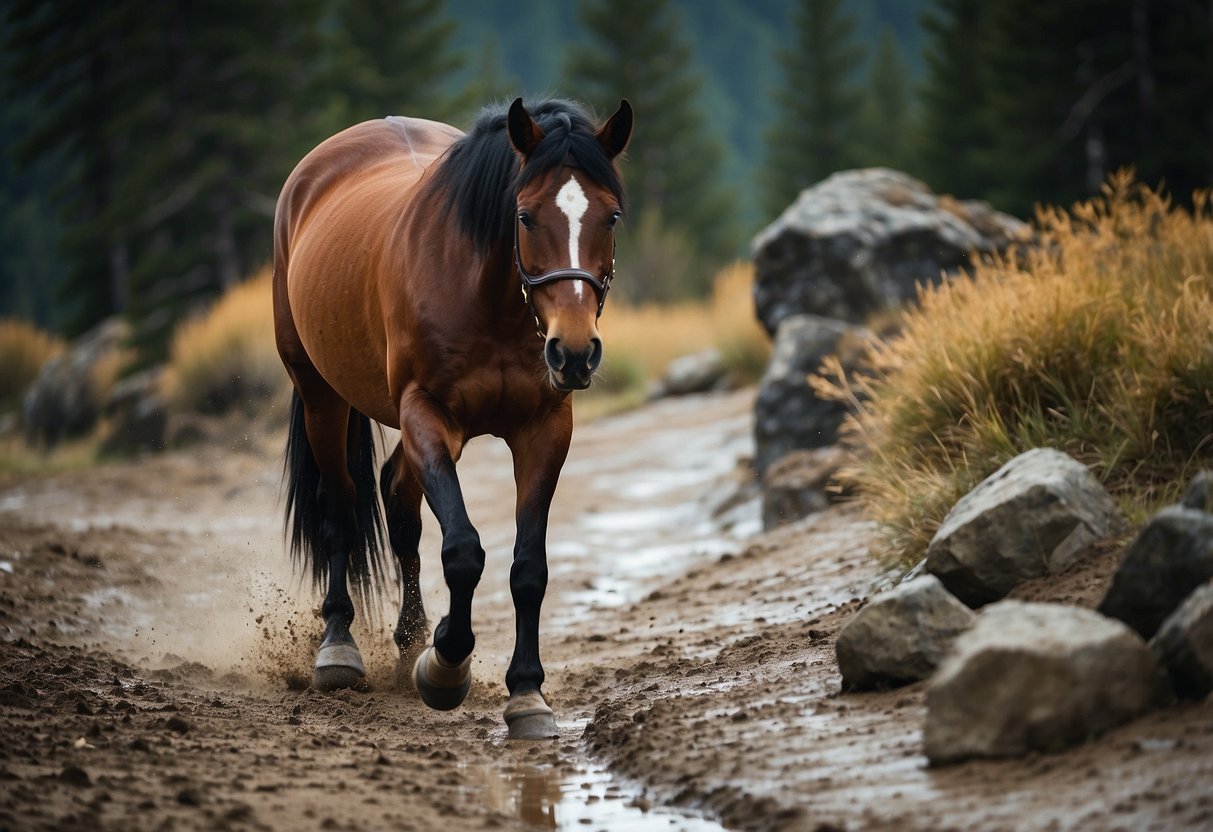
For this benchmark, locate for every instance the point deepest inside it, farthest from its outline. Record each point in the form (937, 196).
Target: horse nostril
(554, 355)
(595, 354)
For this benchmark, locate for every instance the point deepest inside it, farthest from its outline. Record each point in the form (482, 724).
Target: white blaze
(572, 203)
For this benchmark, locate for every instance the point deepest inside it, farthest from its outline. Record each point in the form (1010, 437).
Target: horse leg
(538, 458)
(443, 670)
(402, 503)
(324, 508)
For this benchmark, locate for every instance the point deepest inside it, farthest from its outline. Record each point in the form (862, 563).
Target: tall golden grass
(1099, 342)
(226, 357)
(23, 350)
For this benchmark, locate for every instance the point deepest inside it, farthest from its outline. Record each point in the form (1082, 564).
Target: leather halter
(529, 281)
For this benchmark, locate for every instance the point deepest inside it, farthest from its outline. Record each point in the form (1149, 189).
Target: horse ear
(615, 133)
(524, 132)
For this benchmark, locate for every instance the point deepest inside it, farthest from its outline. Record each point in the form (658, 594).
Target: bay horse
(413, 265)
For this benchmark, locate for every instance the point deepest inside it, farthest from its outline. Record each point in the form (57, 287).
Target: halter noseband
(529, 281)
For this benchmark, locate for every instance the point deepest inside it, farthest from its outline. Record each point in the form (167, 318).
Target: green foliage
(401, 60)
(638, 51)
(885, 130)
(817, 104)
(1099, 343)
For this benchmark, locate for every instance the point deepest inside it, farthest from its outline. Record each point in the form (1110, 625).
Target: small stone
(1170, 558)
(1034, 516)
(901, 636)
(1184, 644)
(177, 725)
(1038, 677)
(75, 776)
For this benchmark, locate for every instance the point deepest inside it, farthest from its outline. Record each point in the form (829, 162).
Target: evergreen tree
(955, 135)
(885, 122)
(402, 61)
(817, 105)
(673, 168)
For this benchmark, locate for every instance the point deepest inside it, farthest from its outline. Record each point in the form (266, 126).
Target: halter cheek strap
(529, 281)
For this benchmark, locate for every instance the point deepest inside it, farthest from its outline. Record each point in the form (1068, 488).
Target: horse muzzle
(572, 368)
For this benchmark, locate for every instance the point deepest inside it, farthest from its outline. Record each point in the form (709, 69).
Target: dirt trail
(154, 651)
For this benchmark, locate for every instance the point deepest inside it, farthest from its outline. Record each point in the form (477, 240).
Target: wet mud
(155, 651)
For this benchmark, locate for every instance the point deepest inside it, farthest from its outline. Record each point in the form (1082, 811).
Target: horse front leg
(538, 458)
(442, 673)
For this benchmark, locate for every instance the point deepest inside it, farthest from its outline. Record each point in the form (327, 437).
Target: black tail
(305, 515)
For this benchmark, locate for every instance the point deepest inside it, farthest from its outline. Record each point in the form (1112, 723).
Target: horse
(413, 266)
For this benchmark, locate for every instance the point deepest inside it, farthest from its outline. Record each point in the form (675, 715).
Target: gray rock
(1037, 677)
(1200, 492)
(788, 415)
(860, 241)
(699, 372)
(799, 483)
(1034, 516)
(136, 416)
(1171, 556)
(66, 398)
(901, 636)
(1184, 644)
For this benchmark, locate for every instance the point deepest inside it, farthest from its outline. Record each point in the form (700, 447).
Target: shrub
(1099, 342)
(226, 356)
(23, 351)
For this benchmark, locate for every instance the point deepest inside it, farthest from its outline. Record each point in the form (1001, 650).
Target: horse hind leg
(402, 509)
(335, 522)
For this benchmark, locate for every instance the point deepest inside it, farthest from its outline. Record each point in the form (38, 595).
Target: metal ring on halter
(601, 285)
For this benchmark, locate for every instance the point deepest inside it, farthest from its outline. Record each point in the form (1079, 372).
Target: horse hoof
(528, 717)
(338, 666)
(442, 686)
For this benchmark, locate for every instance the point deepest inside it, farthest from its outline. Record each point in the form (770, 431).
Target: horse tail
(305, 513)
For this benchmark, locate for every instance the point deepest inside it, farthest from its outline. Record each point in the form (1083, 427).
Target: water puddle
(547, 797)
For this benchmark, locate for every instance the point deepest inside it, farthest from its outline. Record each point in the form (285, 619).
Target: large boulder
(1171, 556)
(1200, 492)
(901, 636)
(788, 414)
(1034, 516)
(861, 240)
(1037, 677)
(67, 397)
(1184, 644)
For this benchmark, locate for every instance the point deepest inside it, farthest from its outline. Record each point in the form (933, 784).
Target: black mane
(480, 173)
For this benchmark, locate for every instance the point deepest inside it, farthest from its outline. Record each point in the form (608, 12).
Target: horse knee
(462, 563)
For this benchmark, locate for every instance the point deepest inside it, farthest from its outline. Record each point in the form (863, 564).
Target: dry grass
(644, 339)
(226, 357)
(1099, 343)
(23, 351)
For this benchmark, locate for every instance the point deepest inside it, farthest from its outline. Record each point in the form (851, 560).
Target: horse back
(337, 211)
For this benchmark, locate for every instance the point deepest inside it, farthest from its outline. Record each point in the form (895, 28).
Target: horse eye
(614, 218)
(525, 219)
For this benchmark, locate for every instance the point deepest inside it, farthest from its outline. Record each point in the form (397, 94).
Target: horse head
(568, 203)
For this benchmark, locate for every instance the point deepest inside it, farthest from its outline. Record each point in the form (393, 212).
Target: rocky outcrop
(860, 241)
(1034, 516)
(67, 397)
(788, 414)
(901, 636)
(1037, 677)
(1184, 644)
(135, 414)
(1170, 558)
(799, 484)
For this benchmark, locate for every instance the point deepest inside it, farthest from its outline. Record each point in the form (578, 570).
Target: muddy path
(155, 648)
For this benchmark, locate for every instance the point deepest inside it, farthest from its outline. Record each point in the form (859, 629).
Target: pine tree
(817, 105)
(401, 59)
(955, 134)
(885, 121)
(638, 51)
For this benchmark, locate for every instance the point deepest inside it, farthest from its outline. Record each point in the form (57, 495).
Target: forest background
(142, 145)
